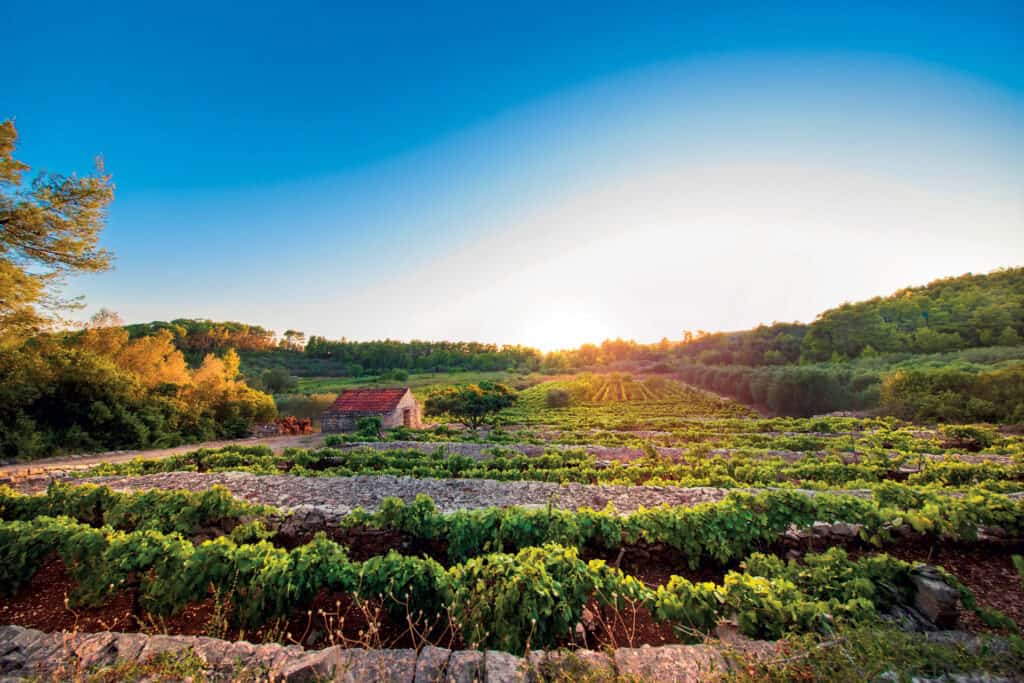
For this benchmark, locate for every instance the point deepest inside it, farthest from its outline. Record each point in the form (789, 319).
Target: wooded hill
(950, 350)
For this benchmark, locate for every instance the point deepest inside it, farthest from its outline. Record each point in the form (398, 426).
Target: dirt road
(74, 462)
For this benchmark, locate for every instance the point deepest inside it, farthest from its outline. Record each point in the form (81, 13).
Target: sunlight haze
(689, 188)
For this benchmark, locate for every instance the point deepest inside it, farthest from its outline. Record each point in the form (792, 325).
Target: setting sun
(555, 330)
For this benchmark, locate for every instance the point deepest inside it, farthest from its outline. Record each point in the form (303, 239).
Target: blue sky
(528, 173)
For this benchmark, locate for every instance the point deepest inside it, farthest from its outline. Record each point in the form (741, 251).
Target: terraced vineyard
(644, 513)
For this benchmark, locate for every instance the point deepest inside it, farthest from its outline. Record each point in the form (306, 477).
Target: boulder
(934, 598)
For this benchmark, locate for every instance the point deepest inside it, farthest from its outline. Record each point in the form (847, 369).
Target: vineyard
(642, 513)
(623, 387)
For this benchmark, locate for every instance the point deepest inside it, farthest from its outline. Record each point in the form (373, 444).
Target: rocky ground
(340, 495)
(337, 496)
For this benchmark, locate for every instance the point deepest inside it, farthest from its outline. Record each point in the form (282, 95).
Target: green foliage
(472, 405)
(48, 229)
(181, 512)
(368, 428)
(535, 597)
(419, 356)
(557, 398)
(967, 437)
(951, 395)
(498, 599)
(865, 652)
(406, 585)
(277, 381)
(58, 396)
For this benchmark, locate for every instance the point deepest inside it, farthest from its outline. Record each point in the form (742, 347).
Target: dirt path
(75, 462)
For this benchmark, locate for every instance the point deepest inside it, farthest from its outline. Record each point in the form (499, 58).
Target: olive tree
(471, 405)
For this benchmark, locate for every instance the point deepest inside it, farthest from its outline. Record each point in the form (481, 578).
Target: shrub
(368, 427)
(557, 398)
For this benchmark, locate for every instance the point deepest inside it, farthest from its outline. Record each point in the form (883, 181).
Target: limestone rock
(431, 664)
(237, 655)
(584, 665)
(159, 644)
(670, 663)
(465, 666)
(210, 650)
(502, 667)
(394, 666)
(934, 598)
(129, 645)
(95, 649)
(313, 666)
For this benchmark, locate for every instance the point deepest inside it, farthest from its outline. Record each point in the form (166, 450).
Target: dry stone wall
(30, 655)
(27, 654)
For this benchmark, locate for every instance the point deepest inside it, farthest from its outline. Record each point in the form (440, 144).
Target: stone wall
(337, 422)
(27, 653)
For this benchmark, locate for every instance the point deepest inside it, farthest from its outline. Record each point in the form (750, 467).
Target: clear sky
(540, 173)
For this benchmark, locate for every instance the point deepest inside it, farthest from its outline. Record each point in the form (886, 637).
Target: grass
(866, 653)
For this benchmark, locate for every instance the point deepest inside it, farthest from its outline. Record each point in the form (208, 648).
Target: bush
(368, 427)
(558, 398)
(967, 437)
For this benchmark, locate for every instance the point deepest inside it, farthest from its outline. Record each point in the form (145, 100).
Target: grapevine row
(500, 600)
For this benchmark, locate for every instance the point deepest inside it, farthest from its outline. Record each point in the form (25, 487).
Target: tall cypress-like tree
(49, 228)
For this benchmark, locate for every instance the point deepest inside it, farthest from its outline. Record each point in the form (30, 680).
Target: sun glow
(563, 328)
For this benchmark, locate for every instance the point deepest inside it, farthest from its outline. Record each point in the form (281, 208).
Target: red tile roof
(367, 400)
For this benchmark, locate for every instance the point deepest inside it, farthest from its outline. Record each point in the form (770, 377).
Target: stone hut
(394, 407)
